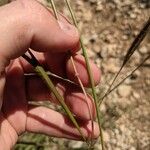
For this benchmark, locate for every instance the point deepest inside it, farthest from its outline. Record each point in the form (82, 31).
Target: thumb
(27, 24)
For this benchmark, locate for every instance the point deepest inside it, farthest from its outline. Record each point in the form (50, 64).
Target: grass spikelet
(135, 44)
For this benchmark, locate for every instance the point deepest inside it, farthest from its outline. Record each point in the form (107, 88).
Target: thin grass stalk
(61, 78)
(53, 8)
(42, 73)
(56, 76)
(115, 87)
(85, 94)
(135, 44)
(89, 73)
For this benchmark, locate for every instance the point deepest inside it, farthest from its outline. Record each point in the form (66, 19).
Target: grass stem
(44, 76)
(85, 94)
(41, 72)
(89, 73)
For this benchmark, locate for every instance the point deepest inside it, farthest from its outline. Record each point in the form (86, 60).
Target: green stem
(44, 76)
(89, 73)
(93, 92)
(41, 72)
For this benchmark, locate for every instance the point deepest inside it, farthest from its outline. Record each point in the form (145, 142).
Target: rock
(75, 144)
(91, 54)
(125, 37)
(99, 7)
(136, 95)
(122, 128)
(79, 3)
(85, 41)
(106, 136)
(133, 15)
(143, 50)
(132, 148)
(104, 51)
(98, 63)
(142, 5)
(96, 48)
(112, 50)
(88, 15)
(124, 90)
(103, 108)
(111, 65)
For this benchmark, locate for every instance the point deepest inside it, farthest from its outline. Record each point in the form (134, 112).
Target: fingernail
(68, 28)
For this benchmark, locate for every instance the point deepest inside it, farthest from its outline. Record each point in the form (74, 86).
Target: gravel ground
(108, 28)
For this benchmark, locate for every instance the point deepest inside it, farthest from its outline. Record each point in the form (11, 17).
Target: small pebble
(124, 90)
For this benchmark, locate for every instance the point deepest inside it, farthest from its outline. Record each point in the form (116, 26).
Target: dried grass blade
(85, 94)
(55, 76)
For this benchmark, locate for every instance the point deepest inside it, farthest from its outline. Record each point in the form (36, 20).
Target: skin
(27, 24)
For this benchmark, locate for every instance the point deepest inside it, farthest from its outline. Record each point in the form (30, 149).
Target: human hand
(27, 24)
